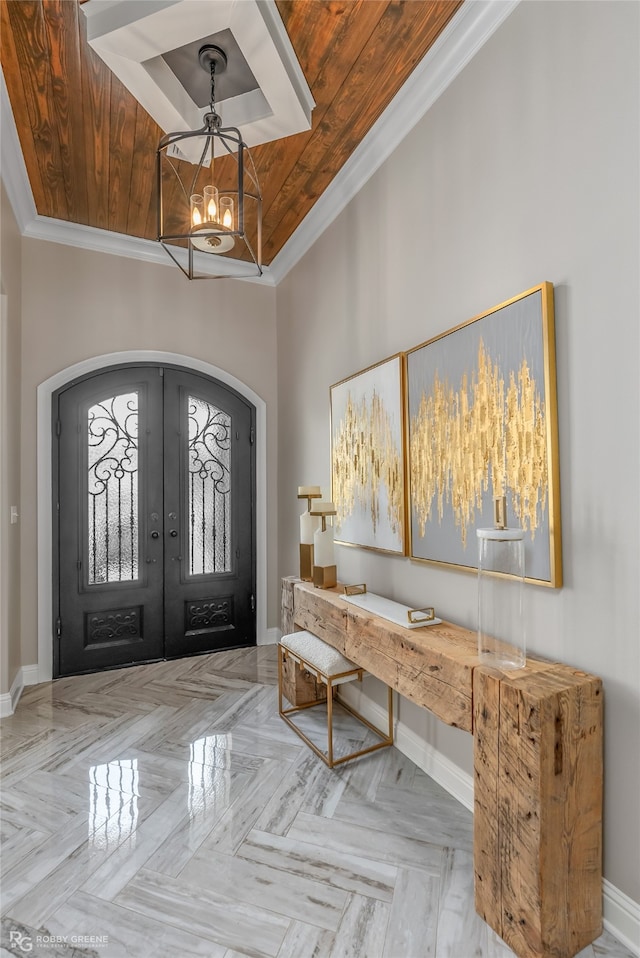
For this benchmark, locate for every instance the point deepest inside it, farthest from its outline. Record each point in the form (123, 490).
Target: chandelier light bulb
(197, 210)
(226, 212)
(211, 203)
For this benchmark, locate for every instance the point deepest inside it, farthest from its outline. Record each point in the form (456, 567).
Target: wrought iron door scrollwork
(112, 486)
(210, 436)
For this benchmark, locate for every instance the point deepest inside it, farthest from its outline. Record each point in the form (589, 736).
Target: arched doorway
(46, 619)
(154, 505)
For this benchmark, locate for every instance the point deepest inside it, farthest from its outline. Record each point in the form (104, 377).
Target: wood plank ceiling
(89, 147)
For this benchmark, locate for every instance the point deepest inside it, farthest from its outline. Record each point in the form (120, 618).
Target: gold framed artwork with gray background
(367, 457)
(482, 423)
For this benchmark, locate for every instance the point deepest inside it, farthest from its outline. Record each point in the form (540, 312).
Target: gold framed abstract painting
(367, 457)
(482, 424)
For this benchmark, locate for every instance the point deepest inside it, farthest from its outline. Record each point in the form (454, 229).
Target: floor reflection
(113, 803)
(209, 774)
(114, 791)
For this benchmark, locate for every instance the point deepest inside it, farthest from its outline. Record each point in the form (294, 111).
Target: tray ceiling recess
(152, 47)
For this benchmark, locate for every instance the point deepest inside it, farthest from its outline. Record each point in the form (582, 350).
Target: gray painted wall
(525, 170)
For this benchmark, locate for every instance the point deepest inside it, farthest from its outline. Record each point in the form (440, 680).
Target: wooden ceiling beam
(141, 211)
(31, 48)
(96, 105)
(61, 24)
(122, 129)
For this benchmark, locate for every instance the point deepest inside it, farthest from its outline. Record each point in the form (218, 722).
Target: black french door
(154, 508)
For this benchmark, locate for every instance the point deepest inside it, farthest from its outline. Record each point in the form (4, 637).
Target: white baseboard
(621, 914)
(437, 766)
(30, 675)
(270, 637)
(9, 700)
(27, 675)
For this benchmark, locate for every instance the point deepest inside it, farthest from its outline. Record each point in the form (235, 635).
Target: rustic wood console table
(537, 764)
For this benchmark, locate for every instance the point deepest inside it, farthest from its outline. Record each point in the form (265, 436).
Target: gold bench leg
(281, 654)
(329, 724)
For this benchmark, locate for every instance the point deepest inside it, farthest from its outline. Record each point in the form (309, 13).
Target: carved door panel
(154, 502)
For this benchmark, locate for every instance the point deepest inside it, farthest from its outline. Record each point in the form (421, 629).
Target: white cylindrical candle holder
(323, 552)
(309, 492)
(324, 563)
(501, 626)
(308, 526)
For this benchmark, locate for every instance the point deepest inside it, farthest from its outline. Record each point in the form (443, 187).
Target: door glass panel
(209, 488)
(112, 473)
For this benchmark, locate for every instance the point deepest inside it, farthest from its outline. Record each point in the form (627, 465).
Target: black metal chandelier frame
(214, 238)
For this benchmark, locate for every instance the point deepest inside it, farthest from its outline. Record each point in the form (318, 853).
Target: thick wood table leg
(538, 808)
(287, 604)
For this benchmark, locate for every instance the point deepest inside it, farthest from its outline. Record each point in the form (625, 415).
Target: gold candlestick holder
(306, 548)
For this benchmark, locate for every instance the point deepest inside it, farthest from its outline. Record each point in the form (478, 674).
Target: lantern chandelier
(209, 198)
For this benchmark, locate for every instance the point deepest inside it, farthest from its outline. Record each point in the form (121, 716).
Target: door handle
(173, 533)
(155, 534)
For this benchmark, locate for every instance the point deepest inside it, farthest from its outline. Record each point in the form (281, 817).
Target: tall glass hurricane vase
(501, 626)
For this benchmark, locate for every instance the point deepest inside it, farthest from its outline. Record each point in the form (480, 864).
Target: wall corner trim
(26, 675)
(9, 700)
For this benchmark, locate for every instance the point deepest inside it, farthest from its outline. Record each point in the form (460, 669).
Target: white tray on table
(394, 612)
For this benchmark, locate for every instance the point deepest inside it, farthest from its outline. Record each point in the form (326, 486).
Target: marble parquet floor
(166, 810)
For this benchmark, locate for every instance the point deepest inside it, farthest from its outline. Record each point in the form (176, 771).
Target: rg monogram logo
(18, 940)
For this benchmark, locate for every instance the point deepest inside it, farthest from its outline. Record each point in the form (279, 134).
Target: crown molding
(467, 32)
(148, 251)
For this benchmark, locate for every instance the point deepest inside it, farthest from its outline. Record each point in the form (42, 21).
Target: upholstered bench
(332, 669)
